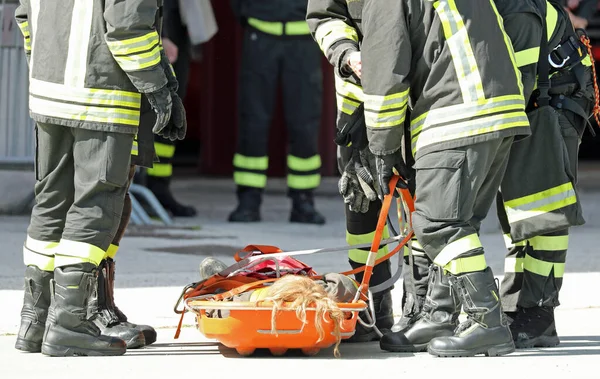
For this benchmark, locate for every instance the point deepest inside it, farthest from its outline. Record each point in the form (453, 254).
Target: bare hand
(170, 49)
(355, 63)
(573, 4)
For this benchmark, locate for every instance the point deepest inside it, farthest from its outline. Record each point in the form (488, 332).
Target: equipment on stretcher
(248, 325)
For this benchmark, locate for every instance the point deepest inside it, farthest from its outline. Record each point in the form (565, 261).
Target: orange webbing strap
(265, 249)
(596, 110)
(243, 288)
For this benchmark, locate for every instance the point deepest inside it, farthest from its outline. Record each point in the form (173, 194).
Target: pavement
(155, 263)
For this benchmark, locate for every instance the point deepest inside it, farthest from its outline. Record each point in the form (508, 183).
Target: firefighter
(535, 215)
(277, 45)
(336, 27)
(158, 178)
(86, 103)
(455, 63)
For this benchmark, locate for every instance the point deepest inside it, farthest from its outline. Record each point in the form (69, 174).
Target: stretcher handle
(193, 305)
(383, 214)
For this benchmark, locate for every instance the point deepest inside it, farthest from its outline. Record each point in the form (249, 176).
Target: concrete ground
(154, 264)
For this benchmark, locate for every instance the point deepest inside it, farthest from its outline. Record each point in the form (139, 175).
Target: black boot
(160, 187)
(384, 319)
(534, 327)
(148, 331)
(36, 302)
(486, 330)
(248, 209)
(303, 208)
(71, 328)
(107, 319)
(414, 285)
(439, 317)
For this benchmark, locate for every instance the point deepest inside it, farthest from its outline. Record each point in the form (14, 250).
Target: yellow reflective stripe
(549, 243)
(349, 90)
(161, 170)
(78, 251)
(251, 163)
(297, 28)
(509, 243)
(587, 61)
(458, 130)
(135, 148)
(551, 19)
(377, 103)
(24, 26)
(512, 264)
(527, 57)
(540, 203)
(345, 105)
(291, 28)
(414, 252)
(40, 247)
(87, 96)
(543, 268)
(303, 182)
(509, 47)
(80, 33)
(456, 248)
(385, 119)
(333, 31)
(386, 111)
(304, 164)
(133, 45)
(361, 256)
(164, 150)
(111, 252)
(139, 61)
(84, 113)
(462, 53)
(250, 179)
(41, 261)
(468, 264)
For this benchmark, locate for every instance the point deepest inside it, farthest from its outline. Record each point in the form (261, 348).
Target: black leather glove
(385, 170)
(177, 126)
(356, 184)
(172, 81)
(161, 103)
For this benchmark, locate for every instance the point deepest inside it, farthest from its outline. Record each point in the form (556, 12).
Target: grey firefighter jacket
(455, 63)
(90, 60)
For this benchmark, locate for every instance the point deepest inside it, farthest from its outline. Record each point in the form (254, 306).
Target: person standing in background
(277, 44)
(580, 11)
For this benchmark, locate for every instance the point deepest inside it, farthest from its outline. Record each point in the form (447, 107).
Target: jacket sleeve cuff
(148, 80)
(339, 53)
(384, 141)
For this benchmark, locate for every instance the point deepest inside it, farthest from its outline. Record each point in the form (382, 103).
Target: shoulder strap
(543, 64)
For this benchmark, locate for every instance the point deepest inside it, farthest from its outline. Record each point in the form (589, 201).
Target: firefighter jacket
(336, 27)
(90, 60)
(274, 17)
(455, 62)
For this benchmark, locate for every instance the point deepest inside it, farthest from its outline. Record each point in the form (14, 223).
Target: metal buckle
(557, 65)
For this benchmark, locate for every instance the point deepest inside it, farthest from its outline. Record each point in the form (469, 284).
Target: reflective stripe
(416, 244)
(463, 57)
(414, 252)
(277, 28)
(348, 95)
(24, 26)
(509, 243)
(540, 203)
(251, 163)
(456, 248)
(40, 247)
(136, 53)
(303, 182)
(512, 264)
(345, 105)
(543, 268)
(361, 256)
(84, 113)
(250, 179)
(161, 170)
(386, 111)
(111, 252)
(551, 19)
(550, 243)
(135, 148)
(87, 96)
(79, 41)
(527, 57)
(304, 164)
(78, 251)
(41, 261)
(164, 150)
(140, 61)
(468, 264)
(333, 31)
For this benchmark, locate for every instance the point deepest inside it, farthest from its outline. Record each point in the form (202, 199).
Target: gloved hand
(385, 170)
(172, 81)
(161, 103)
(356, 183)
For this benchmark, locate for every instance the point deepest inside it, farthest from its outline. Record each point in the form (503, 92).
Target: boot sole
(369, 337)
(417, 348)
(541, 341)
(71, 351)
(28, 346)
(136, 343)
(488, 351)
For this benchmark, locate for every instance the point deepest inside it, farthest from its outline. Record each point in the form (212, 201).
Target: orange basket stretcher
(249, 326)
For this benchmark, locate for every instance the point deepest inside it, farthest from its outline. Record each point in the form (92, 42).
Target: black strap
(543, 64)
(564, 103)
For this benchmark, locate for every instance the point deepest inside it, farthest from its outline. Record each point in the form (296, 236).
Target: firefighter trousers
(81, 181)
(455, 190)
(295, 61)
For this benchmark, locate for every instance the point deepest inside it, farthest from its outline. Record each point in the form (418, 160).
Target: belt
(290, 28)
